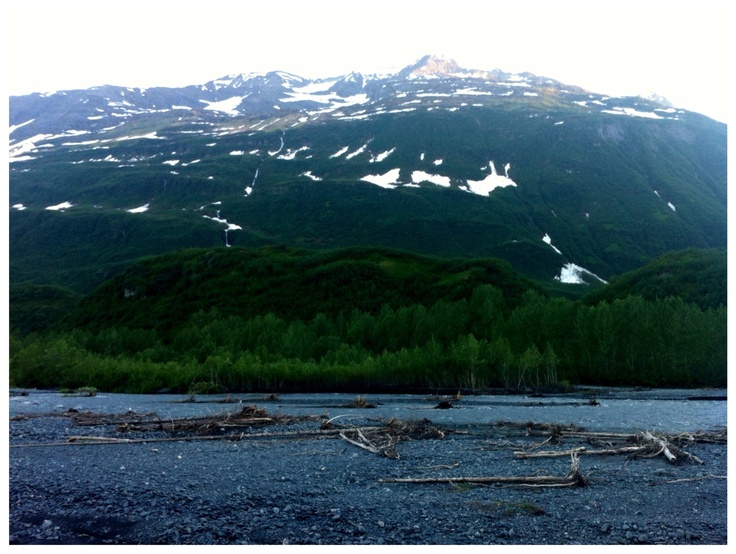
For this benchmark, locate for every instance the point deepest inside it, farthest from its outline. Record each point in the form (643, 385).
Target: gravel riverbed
(320, 489)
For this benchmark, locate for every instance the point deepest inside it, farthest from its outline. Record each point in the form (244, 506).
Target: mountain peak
(658, 98)
(431, 66)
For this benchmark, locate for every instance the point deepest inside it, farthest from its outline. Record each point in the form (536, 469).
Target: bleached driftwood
(647, 446)
(91, 440)
(573, 478)
(662, 445)
(581, 450)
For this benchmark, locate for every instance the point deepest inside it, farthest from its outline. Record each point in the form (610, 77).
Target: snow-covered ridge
(431, 83)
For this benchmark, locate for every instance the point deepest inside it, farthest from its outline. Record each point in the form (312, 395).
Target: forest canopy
(414, 323)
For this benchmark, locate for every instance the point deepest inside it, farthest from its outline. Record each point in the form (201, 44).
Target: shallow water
(668, 411)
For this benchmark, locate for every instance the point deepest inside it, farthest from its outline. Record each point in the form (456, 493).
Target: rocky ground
(295, 485)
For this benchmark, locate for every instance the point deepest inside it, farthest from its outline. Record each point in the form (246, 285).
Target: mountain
(293, 284)
(696, 276)
(569, 186)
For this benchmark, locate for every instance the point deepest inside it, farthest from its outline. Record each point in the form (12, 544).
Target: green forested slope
(164, 292)
(696, 276)
(360, 319)
(612, 192)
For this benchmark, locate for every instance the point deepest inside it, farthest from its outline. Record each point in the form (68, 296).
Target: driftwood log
(572, 479)
(382, 439)
(92, 440)
(647, 446)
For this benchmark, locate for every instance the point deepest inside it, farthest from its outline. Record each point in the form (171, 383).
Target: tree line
(476, 343)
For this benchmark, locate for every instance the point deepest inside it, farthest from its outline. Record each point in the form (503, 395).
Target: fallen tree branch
(539, 480)
(87, 440)
(441, 466)
(384, 441)
(649, 446)
(663, 447)
(573, 478)
(104, 440)
(359, 444)
(248, 416)
(581, 450)
(697, 478)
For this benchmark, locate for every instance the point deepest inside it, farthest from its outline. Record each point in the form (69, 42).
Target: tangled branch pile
(89, 418)
(637, 445)
(246, 417)
(383, 440)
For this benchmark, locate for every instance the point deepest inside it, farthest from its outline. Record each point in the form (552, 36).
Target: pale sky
(675, 48)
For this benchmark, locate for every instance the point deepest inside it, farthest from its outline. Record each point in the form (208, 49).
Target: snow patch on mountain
(632, 112)
(139, 210)
(281, 147)
(357, 152)
(492, 181)
(382, 156)
(546, 238)
(291, 154)
(317, 86)
(310, 175)
(27, 146)
(340, 152)
(230, 226)
(472, 91)
(388, 180)
(331, 98)
(228, 106)
(82, 143)
(421, 176)
(62, 206)
(19, 125)
(513, 83)
(151, 135)
(573, 274)
(249, 190)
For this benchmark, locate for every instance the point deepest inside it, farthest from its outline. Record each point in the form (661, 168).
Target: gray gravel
(326, 491)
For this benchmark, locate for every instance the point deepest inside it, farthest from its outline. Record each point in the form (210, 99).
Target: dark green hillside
(35, 308)
(361, 320)
(79, 248)
(164, 292)
(612, 192)
(431, 221)
(696, 276)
